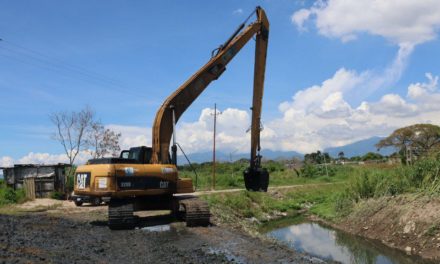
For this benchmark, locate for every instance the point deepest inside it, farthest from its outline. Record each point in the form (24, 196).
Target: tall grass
(422, 177)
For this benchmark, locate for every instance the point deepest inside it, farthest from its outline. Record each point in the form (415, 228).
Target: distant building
(46, 178)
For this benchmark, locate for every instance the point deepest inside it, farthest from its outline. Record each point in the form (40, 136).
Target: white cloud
(44, 158)
(132, 135)
(6, 161)
(238, 11)
(403, 22)
(310, 99)
(231, 131)
(299, 17)
(315, 118)
(319, 117)
(394, 105)
(426, 93)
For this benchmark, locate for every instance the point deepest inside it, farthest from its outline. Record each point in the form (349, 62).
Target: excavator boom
(177, 103)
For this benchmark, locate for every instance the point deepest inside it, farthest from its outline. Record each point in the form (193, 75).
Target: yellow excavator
(145, 178)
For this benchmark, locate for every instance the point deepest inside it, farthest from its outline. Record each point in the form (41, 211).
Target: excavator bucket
(256, 179)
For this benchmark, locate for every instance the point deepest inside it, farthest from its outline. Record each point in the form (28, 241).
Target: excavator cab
(141, 155)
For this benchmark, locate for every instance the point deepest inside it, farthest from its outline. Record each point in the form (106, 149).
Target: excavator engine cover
(256, 179)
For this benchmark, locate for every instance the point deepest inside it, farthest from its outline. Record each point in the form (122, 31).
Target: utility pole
(230, 158)
(408, 154)
(213, 148)
(325, 164)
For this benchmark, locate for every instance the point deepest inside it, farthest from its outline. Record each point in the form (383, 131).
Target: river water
(327, 243)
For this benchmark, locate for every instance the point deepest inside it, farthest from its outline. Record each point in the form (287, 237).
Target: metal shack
(40, 180)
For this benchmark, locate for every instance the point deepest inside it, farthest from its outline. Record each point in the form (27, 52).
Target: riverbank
(408, 222)
(250, 211)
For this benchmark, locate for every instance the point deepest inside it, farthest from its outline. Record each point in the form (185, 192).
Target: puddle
(327, 243)
(157, 228)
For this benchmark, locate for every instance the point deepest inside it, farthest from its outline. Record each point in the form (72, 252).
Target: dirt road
(48, 231)
(272, 188)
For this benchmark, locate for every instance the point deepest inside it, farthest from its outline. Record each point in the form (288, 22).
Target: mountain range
(358, 148)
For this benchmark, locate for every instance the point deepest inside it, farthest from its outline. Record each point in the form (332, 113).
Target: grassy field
(351, 184)
(230, 175)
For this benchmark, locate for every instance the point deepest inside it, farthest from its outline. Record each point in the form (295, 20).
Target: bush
(312, 171)
(57, 195)
(10, 196)
(308, 171)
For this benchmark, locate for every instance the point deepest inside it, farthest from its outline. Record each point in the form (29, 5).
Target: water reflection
(157, 228)
(334, 245)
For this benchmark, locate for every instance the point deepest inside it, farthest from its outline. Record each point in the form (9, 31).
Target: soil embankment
(407, 222)
(58, 232)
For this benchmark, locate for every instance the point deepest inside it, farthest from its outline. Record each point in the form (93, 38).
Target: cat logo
(163, 184)
(81, 180)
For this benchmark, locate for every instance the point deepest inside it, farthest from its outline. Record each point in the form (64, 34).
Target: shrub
(57, 195)
(312, 171)
(10, 196)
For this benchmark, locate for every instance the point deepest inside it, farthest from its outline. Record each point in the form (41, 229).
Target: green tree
(372, 156)
(317, 157)
(341, 155)
(419, 138)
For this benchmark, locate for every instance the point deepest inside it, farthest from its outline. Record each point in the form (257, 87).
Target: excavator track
(120, 215)
(195, 212)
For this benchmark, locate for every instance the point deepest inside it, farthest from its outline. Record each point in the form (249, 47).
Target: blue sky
(350, 76)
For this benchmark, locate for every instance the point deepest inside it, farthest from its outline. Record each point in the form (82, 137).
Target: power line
(37, 59)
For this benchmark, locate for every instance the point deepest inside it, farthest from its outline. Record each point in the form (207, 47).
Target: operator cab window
(125, 154)
(135, 154)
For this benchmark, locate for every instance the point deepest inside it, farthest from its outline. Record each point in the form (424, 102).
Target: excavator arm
(177, 103)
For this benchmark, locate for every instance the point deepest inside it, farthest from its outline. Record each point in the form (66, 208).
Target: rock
(408, 250)
(254, 220)
(409, 227)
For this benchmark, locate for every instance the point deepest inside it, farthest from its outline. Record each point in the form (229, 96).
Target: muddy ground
(48, 231)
